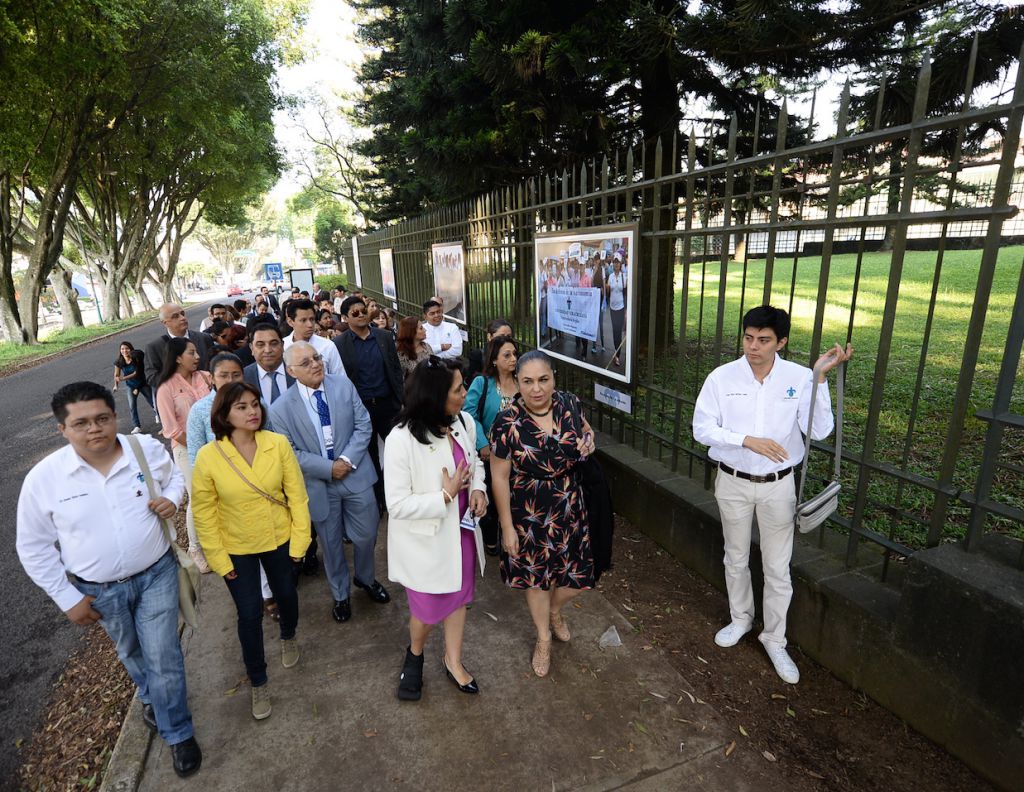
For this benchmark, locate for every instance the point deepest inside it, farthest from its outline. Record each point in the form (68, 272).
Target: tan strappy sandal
(559, 628)
(542, 657)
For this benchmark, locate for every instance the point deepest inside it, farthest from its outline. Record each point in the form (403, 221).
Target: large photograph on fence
(387, 274)
(450, 279)
(585, 298)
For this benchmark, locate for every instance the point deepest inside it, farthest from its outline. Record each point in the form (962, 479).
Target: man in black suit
(268, 372)
(271, 299)
(175, 321)
(371, 362)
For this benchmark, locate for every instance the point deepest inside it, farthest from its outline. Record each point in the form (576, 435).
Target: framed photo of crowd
(585, 304)
(449, 260)
(387, 273)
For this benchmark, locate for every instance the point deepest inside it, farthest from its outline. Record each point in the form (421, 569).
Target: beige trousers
(774, 503)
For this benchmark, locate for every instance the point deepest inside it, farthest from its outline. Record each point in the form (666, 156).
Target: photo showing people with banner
(387, 273)
(585, 298)
(450, 279)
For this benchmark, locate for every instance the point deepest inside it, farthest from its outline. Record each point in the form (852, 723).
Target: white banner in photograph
(574, 310)
(387, 273)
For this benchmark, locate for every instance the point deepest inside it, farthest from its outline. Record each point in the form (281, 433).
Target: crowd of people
(279, 450)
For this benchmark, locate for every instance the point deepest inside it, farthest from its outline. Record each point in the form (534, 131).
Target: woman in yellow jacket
(251, 509)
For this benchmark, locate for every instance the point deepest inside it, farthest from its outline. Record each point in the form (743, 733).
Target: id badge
(469, 522)
(328, 438)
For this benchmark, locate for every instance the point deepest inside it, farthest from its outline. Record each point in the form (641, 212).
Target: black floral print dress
(548, 511)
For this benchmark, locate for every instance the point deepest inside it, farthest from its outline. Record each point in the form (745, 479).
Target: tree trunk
(67, 298)
(893, 185)
(10, 318)
(659, 118)
(112, 287)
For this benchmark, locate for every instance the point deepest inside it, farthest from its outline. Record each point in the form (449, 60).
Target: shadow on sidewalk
(620, 718)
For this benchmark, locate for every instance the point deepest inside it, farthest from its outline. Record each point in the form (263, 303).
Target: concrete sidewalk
(603, 719)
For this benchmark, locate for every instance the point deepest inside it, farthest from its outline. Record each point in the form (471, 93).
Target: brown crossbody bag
(241, 475)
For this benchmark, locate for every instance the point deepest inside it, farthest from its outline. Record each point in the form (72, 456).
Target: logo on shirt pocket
(791, 393)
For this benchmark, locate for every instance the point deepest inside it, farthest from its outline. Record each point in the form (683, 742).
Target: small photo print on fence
(585, 298)
(450, 279)
(387, 274)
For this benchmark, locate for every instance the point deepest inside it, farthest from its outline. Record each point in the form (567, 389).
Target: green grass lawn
(14, 354)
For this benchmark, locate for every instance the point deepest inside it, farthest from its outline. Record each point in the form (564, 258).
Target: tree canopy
(467, 95)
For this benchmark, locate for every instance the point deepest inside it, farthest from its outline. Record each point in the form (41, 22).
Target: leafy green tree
(332, 231)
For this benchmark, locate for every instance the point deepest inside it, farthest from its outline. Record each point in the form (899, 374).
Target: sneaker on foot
(261, 702)
(730, 634)
(289, 652)
(784, 665)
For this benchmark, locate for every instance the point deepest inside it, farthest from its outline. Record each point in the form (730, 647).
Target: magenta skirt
(435, 608)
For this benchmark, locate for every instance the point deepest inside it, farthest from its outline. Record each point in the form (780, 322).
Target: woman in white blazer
(432, 477)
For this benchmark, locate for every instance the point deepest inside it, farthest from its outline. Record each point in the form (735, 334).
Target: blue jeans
(141, 617)
(133, 402)
(247, 593)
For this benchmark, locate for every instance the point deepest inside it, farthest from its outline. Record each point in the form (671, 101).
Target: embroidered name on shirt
(72, 497)
(736, 394)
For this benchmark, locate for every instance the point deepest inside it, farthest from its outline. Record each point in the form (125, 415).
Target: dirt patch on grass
(821, 734)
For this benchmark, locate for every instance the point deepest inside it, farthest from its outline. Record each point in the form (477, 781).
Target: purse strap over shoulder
(140, 458)
(241, 475)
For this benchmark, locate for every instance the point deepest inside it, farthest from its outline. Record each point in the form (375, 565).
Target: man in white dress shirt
(443, 337)
(751, 413)
(301, 315)
(114, 564)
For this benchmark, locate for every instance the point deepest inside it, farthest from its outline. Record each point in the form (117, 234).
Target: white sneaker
(784, 665)
(730, 634)
(137, 430)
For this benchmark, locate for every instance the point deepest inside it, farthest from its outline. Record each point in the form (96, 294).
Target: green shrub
(332, 281)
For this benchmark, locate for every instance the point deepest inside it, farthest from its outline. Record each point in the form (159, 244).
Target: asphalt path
(37, 639)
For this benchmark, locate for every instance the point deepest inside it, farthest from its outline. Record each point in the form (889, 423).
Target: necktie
(275, 391)
(325, 416)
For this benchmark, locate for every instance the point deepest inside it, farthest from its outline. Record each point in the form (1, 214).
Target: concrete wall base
(944, 652)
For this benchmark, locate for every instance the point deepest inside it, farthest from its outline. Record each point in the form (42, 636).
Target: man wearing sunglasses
(371, 362)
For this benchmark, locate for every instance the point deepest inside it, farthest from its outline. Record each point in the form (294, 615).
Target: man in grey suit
(268, 373)
(175, 323)
(329, 428)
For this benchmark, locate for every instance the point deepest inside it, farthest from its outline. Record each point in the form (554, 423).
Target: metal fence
(934, 446)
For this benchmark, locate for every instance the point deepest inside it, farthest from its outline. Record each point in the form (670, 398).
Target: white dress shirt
(327, 350)
(444, 333)
(322, 432)
(103, 523)
(266, 381)
(733, 405)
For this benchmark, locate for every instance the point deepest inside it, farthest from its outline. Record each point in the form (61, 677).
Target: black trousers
(383, 412)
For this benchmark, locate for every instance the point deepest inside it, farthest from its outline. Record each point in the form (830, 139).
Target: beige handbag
(188, 573)
(814, 511)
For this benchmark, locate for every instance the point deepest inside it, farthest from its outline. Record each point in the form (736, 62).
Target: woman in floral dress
(536, 444)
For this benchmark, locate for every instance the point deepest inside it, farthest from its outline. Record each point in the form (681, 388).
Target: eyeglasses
(84, 424)
(309, 362)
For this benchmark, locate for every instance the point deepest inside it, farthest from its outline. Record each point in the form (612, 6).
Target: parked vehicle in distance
(234, 290)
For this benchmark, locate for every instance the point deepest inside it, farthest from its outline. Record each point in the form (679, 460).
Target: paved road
(36, 638)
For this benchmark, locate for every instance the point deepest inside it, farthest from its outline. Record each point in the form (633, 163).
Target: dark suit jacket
(392, 367)
(251, 374)
(155, 354)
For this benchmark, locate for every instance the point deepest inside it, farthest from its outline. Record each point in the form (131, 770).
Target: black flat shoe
(310, 566)
(492, 550)
(376, 591)
(186, 757)
(149, 717)
(410, 682)
(342, 611)
(470, 687)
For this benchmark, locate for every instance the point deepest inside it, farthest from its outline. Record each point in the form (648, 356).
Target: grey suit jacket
(392, 366)
(350, 424)
(155, 354)
(251, 374)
